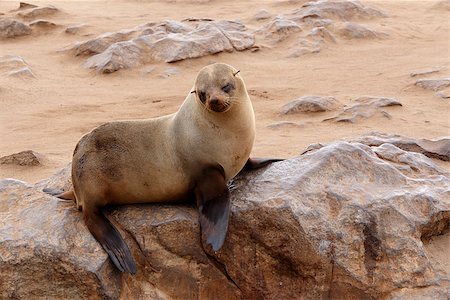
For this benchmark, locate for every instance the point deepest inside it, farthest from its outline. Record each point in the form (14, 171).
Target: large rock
(167, 41)
(433, 84)
(343, 221)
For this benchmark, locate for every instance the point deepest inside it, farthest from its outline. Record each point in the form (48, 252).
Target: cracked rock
(342, 221)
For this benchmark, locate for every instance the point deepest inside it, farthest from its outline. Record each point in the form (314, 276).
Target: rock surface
(343, 221)
(38, 12)
(24, 158)
(365, 108)
(167, 41)
(433, 84)
(10, 28)
(310, 104)
(350, 30)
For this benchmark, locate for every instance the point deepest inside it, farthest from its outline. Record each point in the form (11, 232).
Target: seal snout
(217, 103)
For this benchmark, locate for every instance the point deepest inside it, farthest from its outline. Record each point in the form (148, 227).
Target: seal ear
(213, 201)
(235, 73)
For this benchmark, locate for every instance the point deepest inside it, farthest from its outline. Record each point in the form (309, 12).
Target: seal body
(191, 153)
(157, 160)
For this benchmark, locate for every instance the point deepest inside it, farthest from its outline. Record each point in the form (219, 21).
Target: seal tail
(68, 195)
(111, 240)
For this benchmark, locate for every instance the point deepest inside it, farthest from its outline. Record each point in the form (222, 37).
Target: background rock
(366, 108)
(166, 41)
(433, 84)
(309, 104)
(343, 221)
(24, 158)
(15, 66)
(12, 28)
(38, 12)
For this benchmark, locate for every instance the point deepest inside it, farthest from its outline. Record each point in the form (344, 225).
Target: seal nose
(214, 101)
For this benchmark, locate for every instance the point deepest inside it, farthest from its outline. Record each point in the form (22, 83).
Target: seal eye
(202, 96)
(227, 88)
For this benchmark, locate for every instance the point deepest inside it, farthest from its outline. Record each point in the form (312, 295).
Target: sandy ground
(50, 113)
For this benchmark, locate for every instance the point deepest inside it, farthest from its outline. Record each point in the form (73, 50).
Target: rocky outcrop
(37, 12)
(167, 41)
(365, 108)
(343, 221)
(310, 104)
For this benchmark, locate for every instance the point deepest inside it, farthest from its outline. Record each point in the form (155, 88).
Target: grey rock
(444, 94)
(350, 30)
(433, 84)
(24, 158)
(438, 149)
(425, 72)
(283, 125)
(322, 33)
(101, 43)
(310, 104)
(342, 221)
(10, 28)
(38, 12)
(340, 10)
(24, 73)
(262, 14)
(365, 108)
(42, 24)
(74, 29)
(279, 29)
(168, 41)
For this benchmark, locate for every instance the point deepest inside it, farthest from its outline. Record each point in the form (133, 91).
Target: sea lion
(191, 153)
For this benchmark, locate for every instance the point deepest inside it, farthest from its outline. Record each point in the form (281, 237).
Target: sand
(50, 113)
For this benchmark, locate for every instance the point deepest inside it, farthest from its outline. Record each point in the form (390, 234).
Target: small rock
(24, 5)
(101, 43)
(322, 33)
(74, 29)
(38, 12)
(350, 30)
(341, 10)
(23, 73)
(42, 24)
(425, 72)
(169, 72)
(433, 84)
(262, 14)
(304, 47)
(444, 94)
(284, 124)
(309, 104)
(279, 29)
(24, 158)
(11, 28)
(366, 108)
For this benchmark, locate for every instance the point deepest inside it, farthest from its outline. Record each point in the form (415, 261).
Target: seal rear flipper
(213, 201)
(69, 195)
(111, 240)
(256, 163)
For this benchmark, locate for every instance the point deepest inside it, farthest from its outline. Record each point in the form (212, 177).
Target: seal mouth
(219, 107)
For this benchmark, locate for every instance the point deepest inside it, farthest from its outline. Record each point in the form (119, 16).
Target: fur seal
(191, 153)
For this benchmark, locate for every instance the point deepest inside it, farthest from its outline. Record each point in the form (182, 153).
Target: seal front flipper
(256, 163)
(110, 239)
(213, 201)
